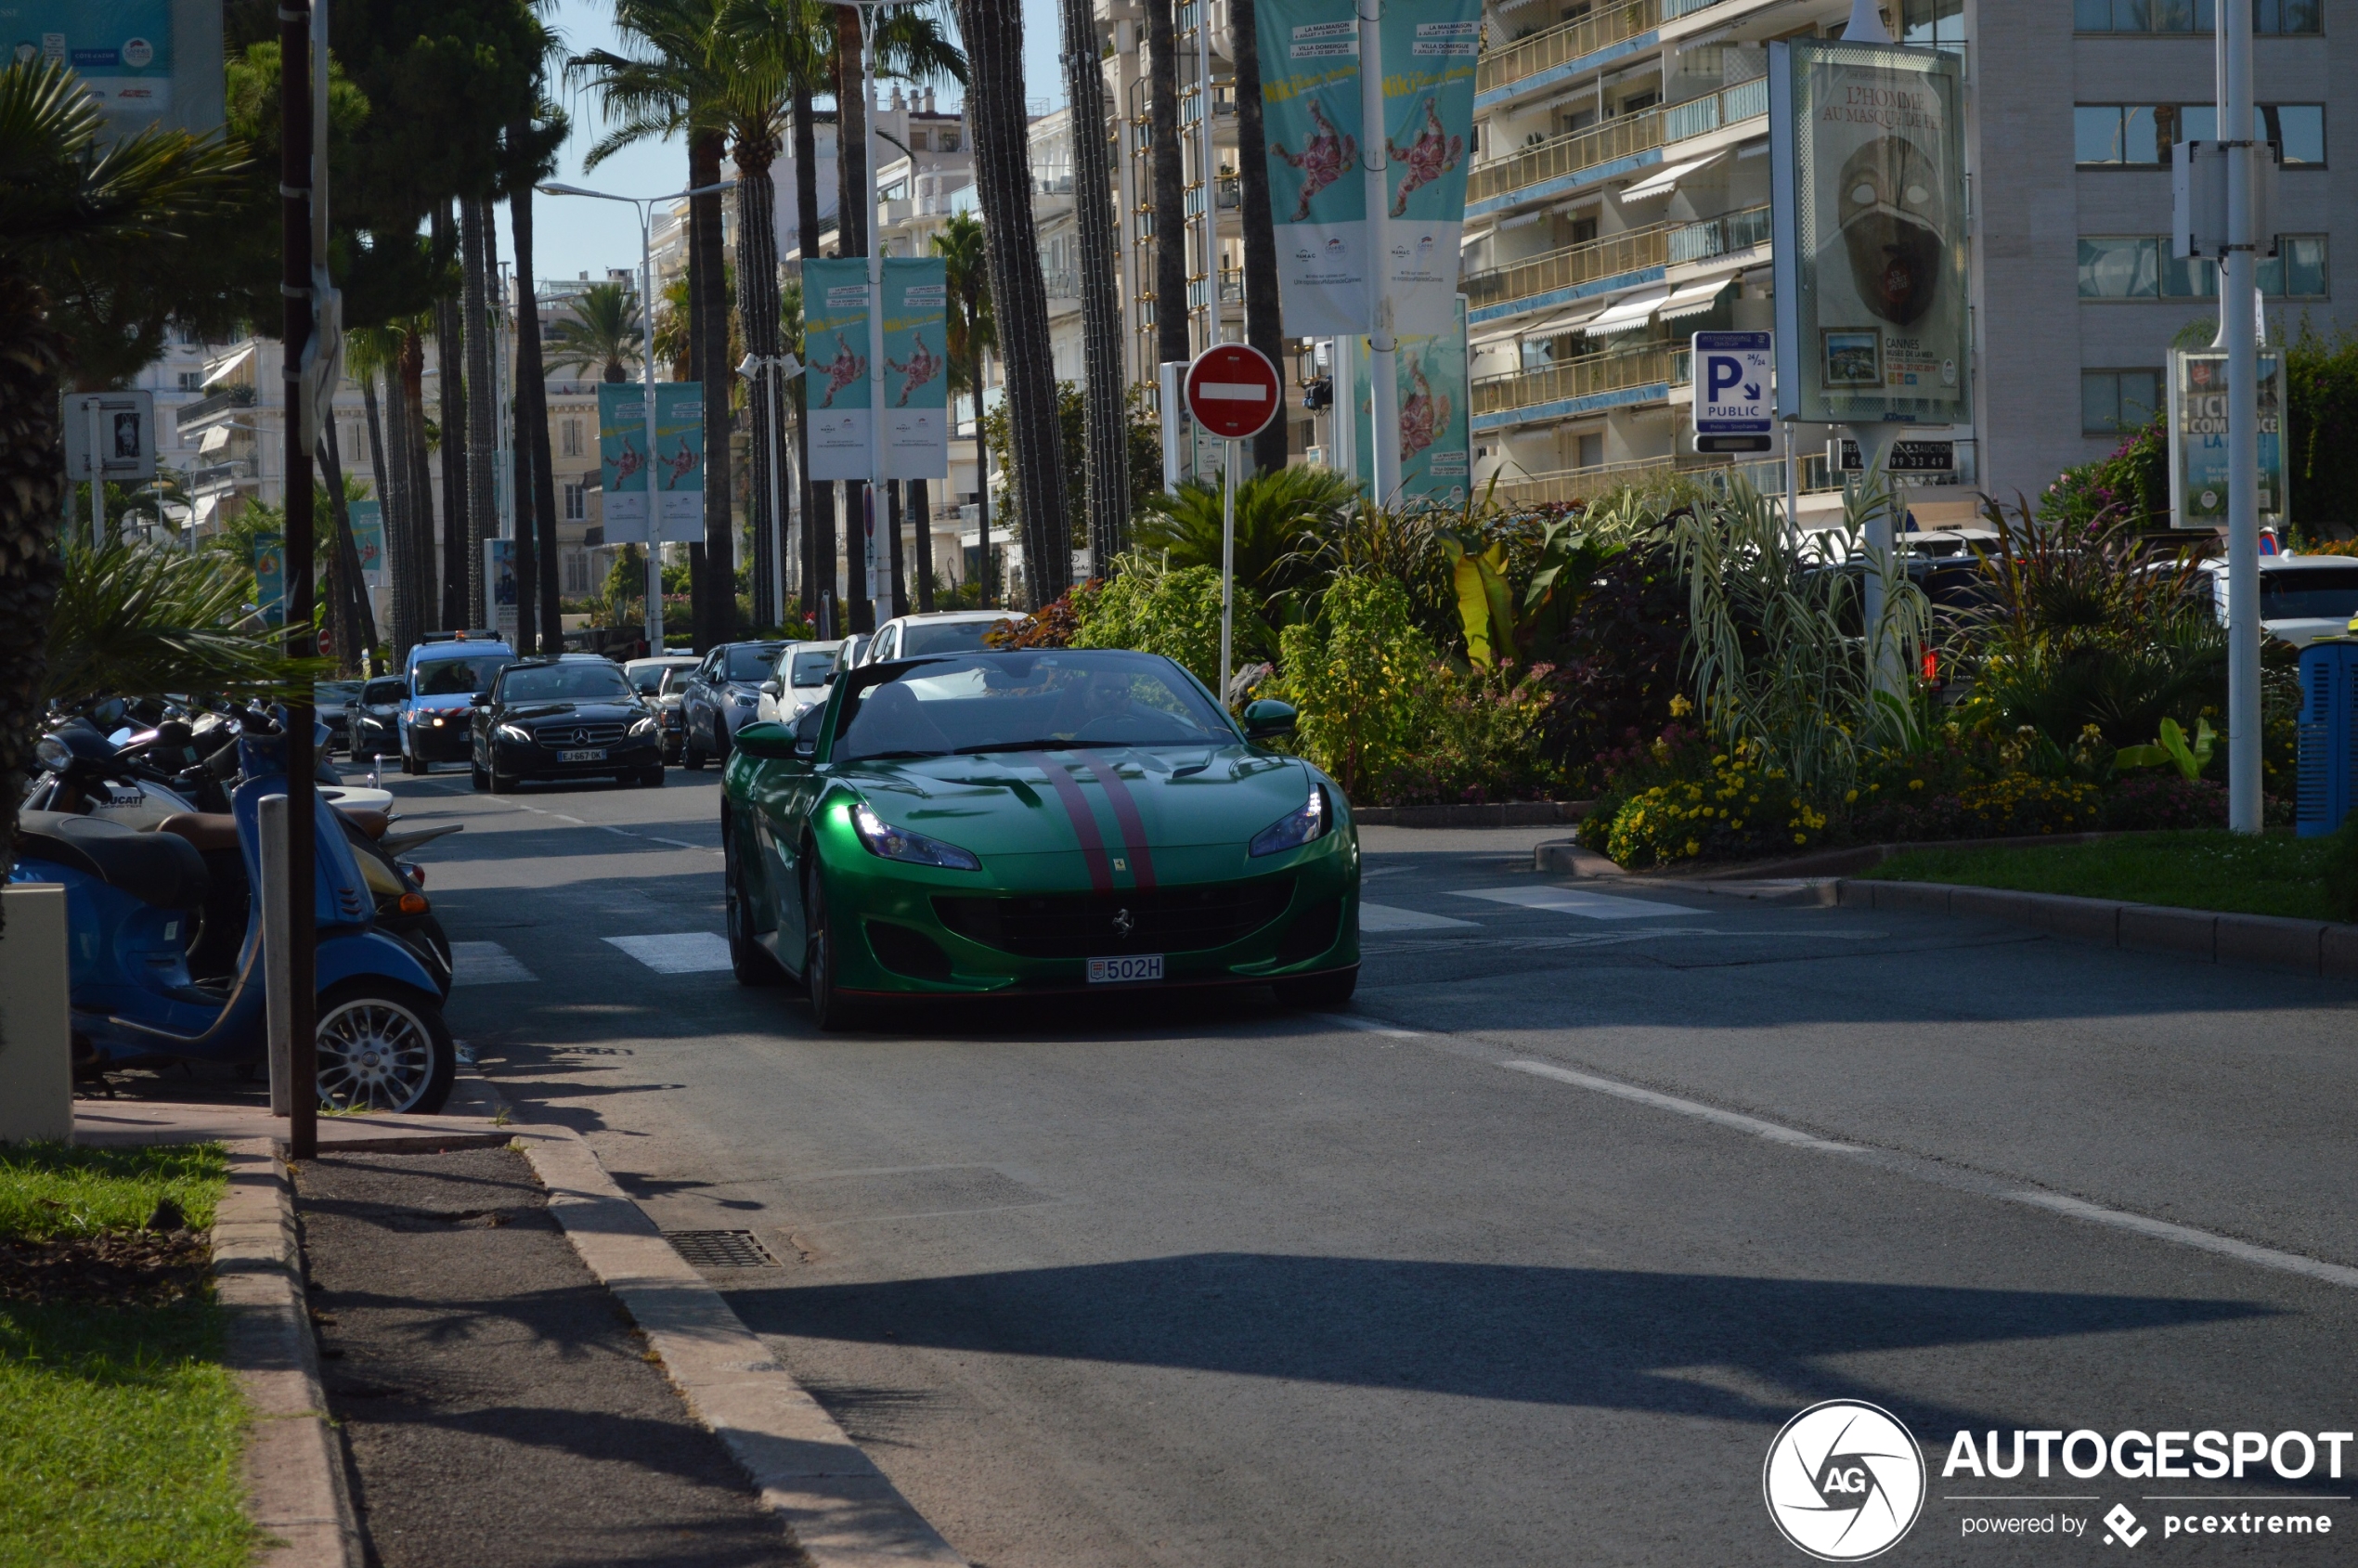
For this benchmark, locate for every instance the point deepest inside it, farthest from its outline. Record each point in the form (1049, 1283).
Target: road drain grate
(720, 1248)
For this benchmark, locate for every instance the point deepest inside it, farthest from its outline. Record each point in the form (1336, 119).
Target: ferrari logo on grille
(1122, 923)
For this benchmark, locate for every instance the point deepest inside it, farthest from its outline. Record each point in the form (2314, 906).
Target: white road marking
(1580, 902)
(2187, 1236)
(679, 952)
(486, 963)
(1736, 1120)
(1369, 1026)
(1385, 917)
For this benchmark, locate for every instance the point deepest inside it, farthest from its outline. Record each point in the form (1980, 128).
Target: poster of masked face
(1867, 164)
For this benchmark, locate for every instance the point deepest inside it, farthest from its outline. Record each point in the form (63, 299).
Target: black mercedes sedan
(575, 716)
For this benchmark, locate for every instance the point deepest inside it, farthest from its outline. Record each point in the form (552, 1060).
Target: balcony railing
(220, 476)
(1231, 285)
(203, 409)
(1563, 487)
(1512, 62)
(1570, 267)
(1696, 116)
(1673, 9)
(1589, 376)
(1564, 155)
(1064, 283)
(1723, 236)
(1228, 190)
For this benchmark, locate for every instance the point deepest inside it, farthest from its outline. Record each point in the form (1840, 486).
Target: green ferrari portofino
(988, 823)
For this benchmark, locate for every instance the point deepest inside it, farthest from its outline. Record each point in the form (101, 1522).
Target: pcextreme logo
(1843, 1481)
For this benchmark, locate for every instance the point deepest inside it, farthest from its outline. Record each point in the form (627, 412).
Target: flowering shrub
(1741, 807)
(2164, 800)
(1487, 741)
(1361, 678)
(1174, 614)
(2021, 804)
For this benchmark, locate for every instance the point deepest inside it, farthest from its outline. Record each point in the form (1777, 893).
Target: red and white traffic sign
(1233, 391)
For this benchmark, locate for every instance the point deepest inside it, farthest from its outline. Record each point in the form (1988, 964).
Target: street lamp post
(645, 206)
(781, 368)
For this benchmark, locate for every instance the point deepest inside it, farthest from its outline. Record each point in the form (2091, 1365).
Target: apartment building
(1620, 203)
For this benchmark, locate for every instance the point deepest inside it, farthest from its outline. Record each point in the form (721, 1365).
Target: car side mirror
(481, 699)
(1265, 716)
(770, 688)
(769, 741)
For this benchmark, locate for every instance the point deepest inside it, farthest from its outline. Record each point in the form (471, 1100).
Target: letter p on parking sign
(1732, 390)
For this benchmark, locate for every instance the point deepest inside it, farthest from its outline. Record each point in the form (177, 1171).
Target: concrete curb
(841, 1508)
(296, 1492)
(2324, 948)
(1497, 813)
(1564, 856)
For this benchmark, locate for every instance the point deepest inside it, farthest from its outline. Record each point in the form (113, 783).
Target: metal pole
(277, 932)
(777, 517)
(1792, 487)
(97, 419)
(294, 186)
(1382, 378)
(876, 308)
(1874, 453)
(1203, 176)
(1227, 565)
(647, 326)
(2235, 312)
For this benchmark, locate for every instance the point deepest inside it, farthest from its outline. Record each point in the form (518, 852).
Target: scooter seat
(206, 830)
(369, 820)
(160, 869)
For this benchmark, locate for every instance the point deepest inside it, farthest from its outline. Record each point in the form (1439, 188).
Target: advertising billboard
(121, 49)
(1867, 171)
(499, 586)
(677, 468)
(1436, 403)
(2198, 438)
(270, 577)
(834, 336)
(916, 365)
(369, 540)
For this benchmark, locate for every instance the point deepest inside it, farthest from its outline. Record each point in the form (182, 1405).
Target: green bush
(1487, 741)
(1175, 613)
(1739, 806)
(1361, 677)
(2021, 804)
(2340, 872)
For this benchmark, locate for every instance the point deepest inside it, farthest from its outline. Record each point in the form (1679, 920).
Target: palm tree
(1170, 184)
(528, 157)
(70, 193)
(993, 31)
(425, 597)
(1264, 328)
(603, 332)
(972, 335)
(451, 385)
(371, 354)
(1104, 402)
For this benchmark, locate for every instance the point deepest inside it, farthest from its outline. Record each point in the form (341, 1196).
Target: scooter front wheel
(384, 1047)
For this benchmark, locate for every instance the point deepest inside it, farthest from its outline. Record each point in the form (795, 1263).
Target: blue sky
(573, 235)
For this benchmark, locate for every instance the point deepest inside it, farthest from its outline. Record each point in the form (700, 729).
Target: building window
(576, 572)
(2139, 134)
(1933, 24)
(2112, 401)
(576, 504)
(2140, 266)
(569, 439)
(2120, 268)
(1591, 448)
(192, 380)
(2193, 15)
(916, 138)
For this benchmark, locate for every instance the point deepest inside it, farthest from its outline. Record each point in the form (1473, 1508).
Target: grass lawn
(122, 1430)
(2273, 874)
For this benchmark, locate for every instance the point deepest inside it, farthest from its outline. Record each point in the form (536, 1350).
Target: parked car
(329, 699)
(372, 718)
(657, 682)
(2301, 597)
(573, 716)
(444, 673)
(943, 632)
(722, 695)
(799, 681)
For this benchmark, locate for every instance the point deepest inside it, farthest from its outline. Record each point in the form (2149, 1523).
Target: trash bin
(2328, 735)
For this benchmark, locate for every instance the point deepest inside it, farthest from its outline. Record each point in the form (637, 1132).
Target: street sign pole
(1232, 392)
(1228, 566)
(2236, 310)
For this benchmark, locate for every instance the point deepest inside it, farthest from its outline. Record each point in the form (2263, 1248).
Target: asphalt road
(1525, 1260)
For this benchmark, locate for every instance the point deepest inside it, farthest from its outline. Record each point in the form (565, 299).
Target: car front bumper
(448, 742)
(530, 759)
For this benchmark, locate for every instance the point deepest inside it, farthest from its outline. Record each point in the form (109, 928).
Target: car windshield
(648, 678)
(334, 694)
(752, 662)
(564, 683)
(943, 637)
(1019, 701)
(379, 694)
(811, 669)
(444, 677)
(2308, 593)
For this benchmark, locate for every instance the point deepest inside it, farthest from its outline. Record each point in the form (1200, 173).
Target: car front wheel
(830, 1010)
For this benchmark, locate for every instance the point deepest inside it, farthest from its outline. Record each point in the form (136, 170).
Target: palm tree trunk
(1264, 328)
(449, 349)
(531, 409)
(1105, 426)
(993, 32)
(392, 498)
(921, 510)
(425, 596)
(32, 486)
(708, 325)
(348, 602)
(851, 240)
(1170, 183)
(899, 584)
(818, 501)
(482, 409)
(757, 318)
(982, 486)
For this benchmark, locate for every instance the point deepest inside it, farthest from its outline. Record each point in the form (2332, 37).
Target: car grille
(1091, 925)
(568, 733)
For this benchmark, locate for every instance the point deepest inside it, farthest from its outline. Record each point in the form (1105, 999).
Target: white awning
(214, 440)
(1629, 313)
(228, 365)
(1693, 299)
(1661, 181)
(206, 506)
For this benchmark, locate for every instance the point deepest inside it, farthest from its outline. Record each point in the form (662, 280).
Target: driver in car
(1097, 703)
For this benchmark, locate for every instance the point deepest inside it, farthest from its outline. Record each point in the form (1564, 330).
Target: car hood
(601, 712)
(2305, 630)
(444, 703)
(1004, 803)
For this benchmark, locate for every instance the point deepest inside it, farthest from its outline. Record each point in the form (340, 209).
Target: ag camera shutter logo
(1843, 1481)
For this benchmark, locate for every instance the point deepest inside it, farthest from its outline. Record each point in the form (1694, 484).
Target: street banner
(1317, 196)
(121, 49)
(369, 539)
(677, 468)
(835, 335)
(1867, 171)
(917, 365)
(499, 586)
(270, 577)
(1436, 400)
(2198, 425)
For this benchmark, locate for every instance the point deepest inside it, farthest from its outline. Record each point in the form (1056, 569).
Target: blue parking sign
(1732, 383)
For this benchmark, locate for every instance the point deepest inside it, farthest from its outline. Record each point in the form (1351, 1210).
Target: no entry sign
(1233, 391)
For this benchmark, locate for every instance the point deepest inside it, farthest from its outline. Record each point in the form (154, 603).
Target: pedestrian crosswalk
(487, 963)
(679, 953)
(1579, 901)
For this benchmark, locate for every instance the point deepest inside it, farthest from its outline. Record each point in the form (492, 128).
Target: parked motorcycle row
(149, 814)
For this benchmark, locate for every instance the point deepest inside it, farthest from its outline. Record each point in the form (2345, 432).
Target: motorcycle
(131, 898)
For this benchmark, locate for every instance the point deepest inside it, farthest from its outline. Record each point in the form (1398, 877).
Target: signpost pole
(1227, 565)
(1793, 487)
(647, 326)
(1874, 458)
(2236, 311)
(97, 419)
(875, 309)
(1383, 381)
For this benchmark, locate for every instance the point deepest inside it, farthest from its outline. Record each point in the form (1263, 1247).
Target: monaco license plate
(592, 754)
(1114, 971)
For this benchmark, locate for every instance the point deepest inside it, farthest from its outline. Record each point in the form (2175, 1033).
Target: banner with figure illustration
(369, 539)
(678, 469)
(835, 337)
(1436, 443)
(1317, 194)
(917, 368)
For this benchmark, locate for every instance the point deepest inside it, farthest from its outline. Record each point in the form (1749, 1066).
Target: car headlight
(510, 732)
(899, 844)
(745, 701)
(646, 726)
(1297, 827)
(437, 721)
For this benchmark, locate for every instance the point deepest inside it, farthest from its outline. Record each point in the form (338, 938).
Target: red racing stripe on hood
(1084, 820)
(1125, 813)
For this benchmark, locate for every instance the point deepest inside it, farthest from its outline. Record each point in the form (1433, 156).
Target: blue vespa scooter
(131, 901)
